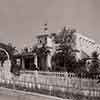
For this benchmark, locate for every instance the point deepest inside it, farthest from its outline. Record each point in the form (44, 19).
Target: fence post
(13, 79)
(67, 82)
(80, 81)
(66, 79)
(35, 78)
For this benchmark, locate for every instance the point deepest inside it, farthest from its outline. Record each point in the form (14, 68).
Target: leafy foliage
(66, 41)
(94, 63)
(9, 48)
(41, 51)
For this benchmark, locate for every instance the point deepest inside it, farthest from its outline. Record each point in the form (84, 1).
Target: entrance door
(42, 62)
(29, 63)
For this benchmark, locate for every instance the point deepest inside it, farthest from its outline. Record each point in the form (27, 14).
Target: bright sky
(20, 20)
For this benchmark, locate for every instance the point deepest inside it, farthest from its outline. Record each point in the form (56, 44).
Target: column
(0, 64)
(23, 63)
(7, 68)
(35, 61)
(7, 65)
(49, 61)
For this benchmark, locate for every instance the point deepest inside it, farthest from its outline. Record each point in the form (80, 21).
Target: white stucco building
(83, 44)
(86, 45)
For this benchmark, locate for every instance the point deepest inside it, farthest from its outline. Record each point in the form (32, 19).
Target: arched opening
(5, 59)
(5, 52)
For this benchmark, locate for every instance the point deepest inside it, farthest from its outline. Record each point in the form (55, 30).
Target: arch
(8, 56)
(6, 65)
(8, 50)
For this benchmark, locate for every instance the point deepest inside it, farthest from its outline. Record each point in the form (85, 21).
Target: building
(85, 45)
(45, 39)
(46, 43)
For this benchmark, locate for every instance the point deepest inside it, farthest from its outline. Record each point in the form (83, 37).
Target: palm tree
(66, 41)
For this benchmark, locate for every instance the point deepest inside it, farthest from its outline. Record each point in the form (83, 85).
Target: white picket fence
(54, 81)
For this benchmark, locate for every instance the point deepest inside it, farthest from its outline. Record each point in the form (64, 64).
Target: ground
(7, 94)
(9, 97)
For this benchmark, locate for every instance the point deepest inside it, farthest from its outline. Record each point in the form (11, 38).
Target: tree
(66, 41)
(81, 66)
(25, 49)
(58, 62)
(9, 48)
(94, 69)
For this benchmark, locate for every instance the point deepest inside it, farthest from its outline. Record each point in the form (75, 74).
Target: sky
(21, 20)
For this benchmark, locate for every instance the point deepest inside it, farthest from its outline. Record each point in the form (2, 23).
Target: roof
(29, 54)
(42, 35)
(84, 37)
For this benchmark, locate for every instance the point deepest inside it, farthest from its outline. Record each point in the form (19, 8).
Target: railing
(53, 81)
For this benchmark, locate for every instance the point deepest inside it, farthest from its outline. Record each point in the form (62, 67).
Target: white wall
(85, 44)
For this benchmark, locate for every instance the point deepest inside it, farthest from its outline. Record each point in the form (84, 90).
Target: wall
(86, 44)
